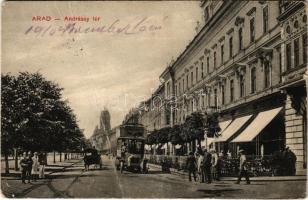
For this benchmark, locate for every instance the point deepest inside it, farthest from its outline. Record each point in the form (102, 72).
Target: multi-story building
(247, 63)
(293, 22)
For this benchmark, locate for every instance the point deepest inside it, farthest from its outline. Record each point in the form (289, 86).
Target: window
(231, 90)
(215, 98)
(265, 19)
(168, 89)
(183, 85)
(208, 65)
(296, 52)
(280, 64)
(242, 85)
(206, 14)
(222, 94)
(253, 80)
(231, 47)
(288, 54)
(209, 99)
(202, 72)
(266, 74)
(179, 87)
(196, 74)
(214, 59)
(252, 29)
(191, 78)
(176, 90)
(222, 53)
(305, 48)
(240, 38)
(187, 81)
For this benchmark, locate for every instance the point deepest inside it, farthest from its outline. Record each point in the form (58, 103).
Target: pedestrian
(29, 168)
(219, 167)
(243, 171)
(207, 166)
(24, 167)
(229, 155)
(200, 168)
(290, 161)
(214, 161)
(191, 165)
(35, 166)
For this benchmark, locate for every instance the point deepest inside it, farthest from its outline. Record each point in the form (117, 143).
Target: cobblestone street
(73, 181)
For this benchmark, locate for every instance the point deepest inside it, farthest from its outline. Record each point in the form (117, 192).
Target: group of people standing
(32, 166)
(206, 164)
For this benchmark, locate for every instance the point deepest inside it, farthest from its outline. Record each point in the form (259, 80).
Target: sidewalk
(261, 178)
(49, 169)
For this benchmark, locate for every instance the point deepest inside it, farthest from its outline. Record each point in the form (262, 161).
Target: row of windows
(296, 52)
(182, 87)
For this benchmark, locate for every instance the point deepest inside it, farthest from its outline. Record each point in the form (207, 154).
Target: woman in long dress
(35, 166)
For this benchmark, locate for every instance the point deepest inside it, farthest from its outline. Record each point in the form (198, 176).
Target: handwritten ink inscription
(76, 25)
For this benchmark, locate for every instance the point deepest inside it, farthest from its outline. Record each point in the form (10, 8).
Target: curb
(263, 178)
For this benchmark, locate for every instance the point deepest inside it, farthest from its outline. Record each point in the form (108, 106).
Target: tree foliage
(212, 124)
(194, 127)
(34, 116)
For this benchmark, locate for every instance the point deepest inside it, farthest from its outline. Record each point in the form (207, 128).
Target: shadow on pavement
(217, 193)
(157, 172)
(14, 174)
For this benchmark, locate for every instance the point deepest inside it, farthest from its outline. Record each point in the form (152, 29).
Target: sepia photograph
(192, 99)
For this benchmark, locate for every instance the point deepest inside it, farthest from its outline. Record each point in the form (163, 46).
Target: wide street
(73, 181)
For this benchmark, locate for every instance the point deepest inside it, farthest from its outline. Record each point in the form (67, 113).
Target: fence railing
(256, 165)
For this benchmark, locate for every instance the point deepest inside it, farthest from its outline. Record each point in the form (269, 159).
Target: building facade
(247, 63)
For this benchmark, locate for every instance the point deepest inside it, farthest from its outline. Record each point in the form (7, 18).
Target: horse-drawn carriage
(92, 157)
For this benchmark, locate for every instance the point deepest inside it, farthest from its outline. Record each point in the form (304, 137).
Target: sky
(112, 61)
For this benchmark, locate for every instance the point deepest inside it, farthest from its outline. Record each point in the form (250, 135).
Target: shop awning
(223, 125)
(257, 125)
(233, 128)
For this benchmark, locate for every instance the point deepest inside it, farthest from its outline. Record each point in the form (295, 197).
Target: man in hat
(24, 167)
(243, 168)
(207, 166)
(191, 165)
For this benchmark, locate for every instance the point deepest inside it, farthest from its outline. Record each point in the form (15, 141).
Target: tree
(34, 116)
(212, 124)
(194, 127)
(162, 135)
(175, 135)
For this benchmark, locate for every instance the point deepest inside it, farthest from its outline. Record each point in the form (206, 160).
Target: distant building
(99, 137)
